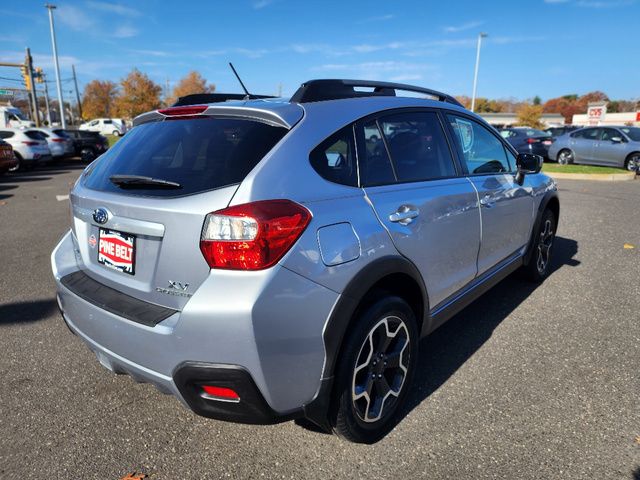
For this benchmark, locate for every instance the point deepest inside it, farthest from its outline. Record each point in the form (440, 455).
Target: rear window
(199, 154)
(34, 135)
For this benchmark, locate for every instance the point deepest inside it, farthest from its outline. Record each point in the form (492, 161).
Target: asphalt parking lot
(526, 383)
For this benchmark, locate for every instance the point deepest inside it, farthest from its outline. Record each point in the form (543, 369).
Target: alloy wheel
(633, 165)
(544, 246)
(565, 157)
(380, 369)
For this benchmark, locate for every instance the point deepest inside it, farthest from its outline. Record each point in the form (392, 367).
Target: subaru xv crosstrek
(266, 260)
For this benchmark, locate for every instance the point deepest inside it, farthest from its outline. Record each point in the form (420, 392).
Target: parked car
(12, 117)
(207, 257)
(106, 126)
(559, 131)
(528, 140)
(29, 146)
(59, 144)
(8, 160)
(615, 146)
(87, 145)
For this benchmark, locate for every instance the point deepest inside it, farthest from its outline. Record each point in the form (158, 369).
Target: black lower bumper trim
(252, 407)
(114, 301)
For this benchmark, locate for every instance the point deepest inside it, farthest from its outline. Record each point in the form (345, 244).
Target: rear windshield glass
(34, 135)
(198, 154)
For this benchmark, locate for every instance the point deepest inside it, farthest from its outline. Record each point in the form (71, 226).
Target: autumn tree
(192, 82)
(529, 116)
(98, 99)
(570, 105)
(138, 94)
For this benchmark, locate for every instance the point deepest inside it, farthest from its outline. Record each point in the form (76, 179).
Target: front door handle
(487, 201)
(404, 215)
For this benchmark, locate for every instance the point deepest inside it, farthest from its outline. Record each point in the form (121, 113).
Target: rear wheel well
(626, 160)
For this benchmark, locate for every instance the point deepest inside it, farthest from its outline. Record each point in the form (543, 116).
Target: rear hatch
(139, 209)
(37, 142)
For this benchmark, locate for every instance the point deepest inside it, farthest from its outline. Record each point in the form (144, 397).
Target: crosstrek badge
(116, 250)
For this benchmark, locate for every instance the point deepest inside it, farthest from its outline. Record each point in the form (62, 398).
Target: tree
(192, 82)
(529, 116)
(537, 100)
(138, 94)
(98, 99)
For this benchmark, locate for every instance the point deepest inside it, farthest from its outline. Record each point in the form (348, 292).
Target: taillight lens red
(252, 236)
(179, 111)
(57, 140)
(31, 144)
(532, 140)
(220, 392)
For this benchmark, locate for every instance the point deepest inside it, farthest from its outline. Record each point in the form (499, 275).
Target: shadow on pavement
(636, 474)
(444, 351)
(26, 312)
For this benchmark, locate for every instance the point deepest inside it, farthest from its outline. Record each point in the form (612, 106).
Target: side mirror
(527, 163)
(616, 139)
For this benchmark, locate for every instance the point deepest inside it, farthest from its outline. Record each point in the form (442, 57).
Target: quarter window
(375, 165)
(417, 146)
(478, 148)
(335, 159)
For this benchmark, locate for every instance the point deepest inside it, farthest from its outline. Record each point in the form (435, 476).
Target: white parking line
(62, 198)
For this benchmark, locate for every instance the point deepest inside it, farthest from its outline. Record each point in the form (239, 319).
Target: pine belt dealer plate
(117, 250)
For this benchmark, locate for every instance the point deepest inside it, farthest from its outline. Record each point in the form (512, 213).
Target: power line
(12, 79)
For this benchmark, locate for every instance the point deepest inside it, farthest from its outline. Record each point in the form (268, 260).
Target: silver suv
(267, 259)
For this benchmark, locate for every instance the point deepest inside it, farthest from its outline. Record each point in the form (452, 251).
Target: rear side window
(335, 158)
(478, 148)
(6, 134)
(418, 148)
(199, 154)
(375, 165)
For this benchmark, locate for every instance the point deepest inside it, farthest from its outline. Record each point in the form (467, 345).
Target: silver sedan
(608, 146)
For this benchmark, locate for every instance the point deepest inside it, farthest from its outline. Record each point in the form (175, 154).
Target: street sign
(6, 93)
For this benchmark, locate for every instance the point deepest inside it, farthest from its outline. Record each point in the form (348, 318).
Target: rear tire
(19, 165)
(375, 370)
(88, 155)
(539, 265)
(565, 157)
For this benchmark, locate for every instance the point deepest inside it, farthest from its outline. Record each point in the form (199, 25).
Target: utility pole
(32, 87)
(50, 7)
(475, 75)
(46, 100)
(75, 82)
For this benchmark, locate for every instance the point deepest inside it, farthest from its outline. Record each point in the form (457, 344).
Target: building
(509, 119)
(625, 118)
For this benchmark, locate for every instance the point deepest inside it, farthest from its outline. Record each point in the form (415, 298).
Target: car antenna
(248, 95)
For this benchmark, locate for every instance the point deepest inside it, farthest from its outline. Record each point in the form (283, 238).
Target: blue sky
(535, 47)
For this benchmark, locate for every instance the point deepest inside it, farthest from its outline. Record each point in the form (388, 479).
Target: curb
(601, 177)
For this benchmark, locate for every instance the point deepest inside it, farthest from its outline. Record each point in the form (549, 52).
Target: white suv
(29, 146)
(106, 126)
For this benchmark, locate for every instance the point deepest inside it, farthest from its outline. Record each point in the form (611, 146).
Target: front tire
(19, 165)
(565, 157)
(632, 163)
(539, 265)
(375, 370)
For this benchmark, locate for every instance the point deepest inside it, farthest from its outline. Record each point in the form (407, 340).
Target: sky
(534, 47)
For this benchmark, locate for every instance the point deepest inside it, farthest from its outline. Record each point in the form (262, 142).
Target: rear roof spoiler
(335, 89)
(204, 98)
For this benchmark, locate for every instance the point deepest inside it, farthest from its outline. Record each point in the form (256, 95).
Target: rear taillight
(183, 111)
(532, 140)
(31, 144)
(213, 392)
(252, 236)
(57, 140)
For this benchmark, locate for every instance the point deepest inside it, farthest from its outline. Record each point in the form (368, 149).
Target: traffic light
(25, 76)
(38, 75)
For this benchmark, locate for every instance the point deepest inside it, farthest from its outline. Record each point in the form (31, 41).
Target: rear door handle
(404, 215)
(487, 201)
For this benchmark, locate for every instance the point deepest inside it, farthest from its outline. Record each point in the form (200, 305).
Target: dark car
(8, 160)
(87, 145)
(563, 130)
(528, 140)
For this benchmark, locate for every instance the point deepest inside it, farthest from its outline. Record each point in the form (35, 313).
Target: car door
(611, 148)
(506, 208)
(431, 213)
(583, 144)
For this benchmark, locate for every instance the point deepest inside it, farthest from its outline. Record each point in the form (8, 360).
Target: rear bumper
(264, 336)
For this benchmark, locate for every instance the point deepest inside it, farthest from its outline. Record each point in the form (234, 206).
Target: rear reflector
(252, 236)
(221, 393)
(179, 111)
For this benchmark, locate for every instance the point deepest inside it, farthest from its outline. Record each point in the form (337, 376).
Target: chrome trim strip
(125, 224)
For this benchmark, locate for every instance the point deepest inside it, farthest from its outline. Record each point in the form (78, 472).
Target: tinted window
(417, 146)
(588, 133)
(35, 135)
(199, 154)
(61, 133)
(479, 149)
(609, 133)
(6, 134)
(375, 166)
(335, 158)
(107, 122)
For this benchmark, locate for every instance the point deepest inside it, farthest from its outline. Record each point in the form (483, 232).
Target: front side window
(417, 145)
(478, 148)
(335, 158)
(609, 133)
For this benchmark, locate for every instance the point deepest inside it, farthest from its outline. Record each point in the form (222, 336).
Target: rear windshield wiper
(141, 181)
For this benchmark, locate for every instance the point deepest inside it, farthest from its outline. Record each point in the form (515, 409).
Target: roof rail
(335, 89)
(200, 98)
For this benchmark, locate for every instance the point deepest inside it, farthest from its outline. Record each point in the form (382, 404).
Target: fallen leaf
(628, 246)
(3, 203)
(134, 476)
(638, 440)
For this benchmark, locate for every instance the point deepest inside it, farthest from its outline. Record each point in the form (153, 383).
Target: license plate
(547, 142)
(117, 250)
